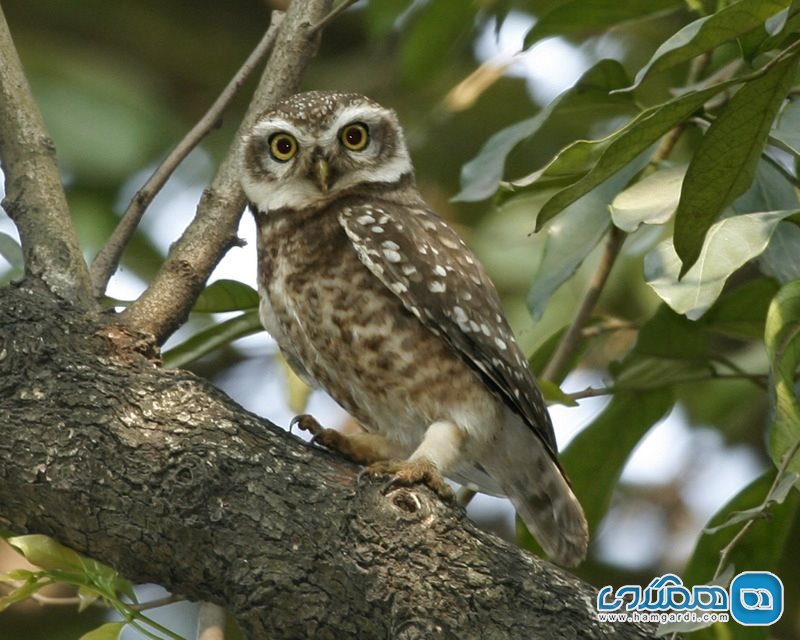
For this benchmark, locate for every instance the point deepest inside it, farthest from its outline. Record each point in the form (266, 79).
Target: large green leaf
(782, 338)
(671, 336)
(742, 313)
(213, 338)
(709, 32)
(575, 235)
(595, 458)
(588, 16)
(729, 244)
(724, 165)
(481, 175)
(651, 200)
(621, 147)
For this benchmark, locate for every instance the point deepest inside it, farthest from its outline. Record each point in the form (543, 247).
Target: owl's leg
(438, 452)
(361, 448)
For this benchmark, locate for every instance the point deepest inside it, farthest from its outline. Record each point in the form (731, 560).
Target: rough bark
(160, 475)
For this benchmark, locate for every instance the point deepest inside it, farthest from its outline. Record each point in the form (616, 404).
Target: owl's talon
(306, 422)
(409, 472)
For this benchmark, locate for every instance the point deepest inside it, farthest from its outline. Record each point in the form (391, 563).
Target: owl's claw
(306, 422)
(408, 472)
(331, 439)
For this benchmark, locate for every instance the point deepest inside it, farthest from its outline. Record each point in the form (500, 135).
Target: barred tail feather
(539, 492)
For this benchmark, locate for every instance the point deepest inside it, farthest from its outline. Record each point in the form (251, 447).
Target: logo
(756, 598)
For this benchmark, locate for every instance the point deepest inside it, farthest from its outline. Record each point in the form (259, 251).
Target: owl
(373, 297)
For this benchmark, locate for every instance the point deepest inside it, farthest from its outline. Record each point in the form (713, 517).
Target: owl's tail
(539, 492)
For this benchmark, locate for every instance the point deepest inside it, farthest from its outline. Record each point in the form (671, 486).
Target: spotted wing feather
(422, 260)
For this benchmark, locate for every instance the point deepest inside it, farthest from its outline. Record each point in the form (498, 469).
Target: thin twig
(594, 392)
(725, 553)
(340, 8)
(35, 198)
(557, 366)
(107, 260)
(166, 303)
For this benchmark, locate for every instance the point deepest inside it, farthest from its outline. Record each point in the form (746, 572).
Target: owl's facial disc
(301, 163)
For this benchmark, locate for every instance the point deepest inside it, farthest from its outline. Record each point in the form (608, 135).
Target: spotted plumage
(373, 297)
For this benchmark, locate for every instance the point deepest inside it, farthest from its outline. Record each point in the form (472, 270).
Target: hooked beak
(321, 174)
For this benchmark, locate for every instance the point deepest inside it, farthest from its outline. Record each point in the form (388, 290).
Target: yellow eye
(355, 136)
(282, 146)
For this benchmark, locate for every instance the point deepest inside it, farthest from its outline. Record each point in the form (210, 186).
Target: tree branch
(35, 199)
(160, 475)
(107, 260)
(556, 368)
(166, 303)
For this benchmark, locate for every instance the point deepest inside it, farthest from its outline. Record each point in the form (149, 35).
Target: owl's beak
(321, 174)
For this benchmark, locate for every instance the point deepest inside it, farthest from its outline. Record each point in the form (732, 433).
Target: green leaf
(729, 244)
(625, 144)
(109, 631)
(481, 175)
(651, 200)
(213, 338)
(226, 295)
(742, 312)
(770, 191)
(591, 16)
(760, 549)
(786, 133)
(595, 458)
(640, 372)
(779, 495)
(671, 336)
(11, 252)
(781, 258)
(782, 338)
(15, 575)
(23, 592)
(580, 228)
(709, 32)
(46, 553)
(724, 165)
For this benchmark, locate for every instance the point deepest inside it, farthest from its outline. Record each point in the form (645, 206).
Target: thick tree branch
(162, 476)
(166, 303)
(34, 198)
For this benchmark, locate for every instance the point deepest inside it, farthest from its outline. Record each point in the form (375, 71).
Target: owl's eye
(282, 146)
(355, 136)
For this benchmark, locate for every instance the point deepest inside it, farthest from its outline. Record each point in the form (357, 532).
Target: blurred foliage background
(120, 82)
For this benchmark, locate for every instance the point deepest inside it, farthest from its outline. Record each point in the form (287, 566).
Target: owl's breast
(343, 329)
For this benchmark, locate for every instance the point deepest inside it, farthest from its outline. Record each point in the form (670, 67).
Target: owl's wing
(421, 259)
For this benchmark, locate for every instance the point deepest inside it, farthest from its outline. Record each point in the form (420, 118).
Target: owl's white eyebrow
(358, 112)
(270, 126)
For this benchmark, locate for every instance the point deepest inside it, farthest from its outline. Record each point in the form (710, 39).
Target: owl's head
(315, 147)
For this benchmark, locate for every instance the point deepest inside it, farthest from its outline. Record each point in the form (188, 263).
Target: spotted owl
(373, 297)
